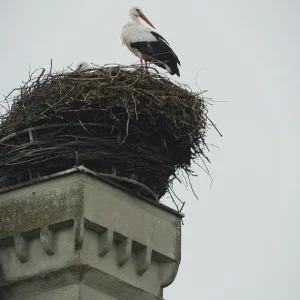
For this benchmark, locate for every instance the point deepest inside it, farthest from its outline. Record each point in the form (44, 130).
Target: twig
(214, 126)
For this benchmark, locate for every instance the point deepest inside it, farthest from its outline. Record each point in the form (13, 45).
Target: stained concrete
(76, 237)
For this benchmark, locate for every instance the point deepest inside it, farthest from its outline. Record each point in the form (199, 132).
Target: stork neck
(135, 19)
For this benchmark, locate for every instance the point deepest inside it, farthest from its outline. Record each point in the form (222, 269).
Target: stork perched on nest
(81, 66)
(148, 45)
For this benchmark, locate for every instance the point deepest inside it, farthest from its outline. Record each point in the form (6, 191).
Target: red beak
(142, 16)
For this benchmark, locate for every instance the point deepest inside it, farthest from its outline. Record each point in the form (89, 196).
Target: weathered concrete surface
(76, 237)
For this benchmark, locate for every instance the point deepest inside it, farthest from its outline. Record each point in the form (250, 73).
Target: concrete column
(73, 236)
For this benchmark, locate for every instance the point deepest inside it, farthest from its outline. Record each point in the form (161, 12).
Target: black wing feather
(160, 52)
(158, 36)
(162, 39)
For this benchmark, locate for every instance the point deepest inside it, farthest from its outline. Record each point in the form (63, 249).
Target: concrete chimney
(73, 236)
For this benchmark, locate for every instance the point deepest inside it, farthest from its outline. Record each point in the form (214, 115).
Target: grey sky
(241, 238)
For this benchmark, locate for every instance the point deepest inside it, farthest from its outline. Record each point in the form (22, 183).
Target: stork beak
(142, 16)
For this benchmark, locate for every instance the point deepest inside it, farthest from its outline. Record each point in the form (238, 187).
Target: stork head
(136, 12)
(81, 66)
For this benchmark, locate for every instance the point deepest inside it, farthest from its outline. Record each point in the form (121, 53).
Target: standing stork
(148, 45)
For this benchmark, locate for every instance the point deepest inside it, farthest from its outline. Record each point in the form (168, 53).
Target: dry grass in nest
(114, 120)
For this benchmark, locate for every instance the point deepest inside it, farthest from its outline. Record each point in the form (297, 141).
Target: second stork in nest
(147, 44)
(82, 66)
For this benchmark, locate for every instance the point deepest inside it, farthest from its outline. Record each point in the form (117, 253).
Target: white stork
(82, 66)
(147, 44)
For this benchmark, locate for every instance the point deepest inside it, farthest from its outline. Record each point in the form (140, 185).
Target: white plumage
(81, 66)
(148, 45)
(136, 32)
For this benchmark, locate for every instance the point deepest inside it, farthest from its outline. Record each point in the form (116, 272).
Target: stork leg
(146, 66)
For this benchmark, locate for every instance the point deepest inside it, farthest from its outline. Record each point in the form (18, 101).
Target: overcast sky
(241, 239)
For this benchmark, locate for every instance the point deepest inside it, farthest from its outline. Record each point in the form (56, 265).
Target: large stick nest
(138, 128)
